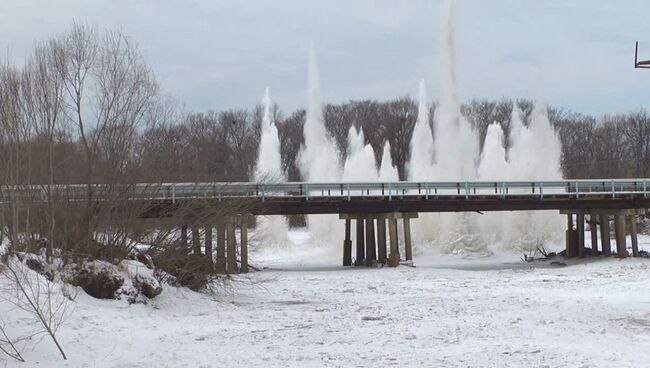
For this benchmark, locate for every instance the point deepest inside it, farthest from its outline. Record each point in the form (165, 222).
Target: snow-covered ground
(304, 310)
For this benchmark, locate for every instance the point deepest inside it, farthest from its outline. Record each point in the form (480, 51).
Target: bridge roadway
(370, 198)
(371, 205)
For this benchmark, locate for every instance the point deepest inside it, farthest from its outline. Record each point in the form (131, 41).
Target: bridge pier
(371, 243)
(575, 238)
(593, 228)
(371, 249)
(381, 240)
(619, 229)
(347, 244)
(604, 235)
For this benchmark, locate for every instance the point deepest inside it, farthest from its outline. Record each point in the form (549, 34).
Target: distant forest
(85, 107)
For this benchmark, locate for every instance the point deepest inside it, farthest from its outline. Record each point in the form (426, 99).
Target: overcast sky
(220, 54)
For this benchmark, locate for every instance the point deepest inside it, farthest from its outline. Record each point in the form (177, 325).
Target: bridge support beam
(243, 242)
(633, 235)
(231, 248)
(571, 238)
(604, 235)
(361, 251)
(619, 227)
(393, 256)
(408, 251)
(593, 228)
(208, 244)
(184, 235)
(347, 244)
(221, 248)
(196, 241)
(381, 240)
(371, 250)
(580, 228)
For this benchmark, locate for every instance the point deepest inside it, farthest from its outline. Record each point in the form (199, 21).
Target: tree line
(86, 108)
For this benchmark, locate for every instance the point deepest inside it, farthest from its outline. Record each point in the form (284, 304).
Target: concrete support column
(347, 244)
(381, 240)
(604, 235)
(593, 222)
(619, 228)
(371, 253)
(361, 255)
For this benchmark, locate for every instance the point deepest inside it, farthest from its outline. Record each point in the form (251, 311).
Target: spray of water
(271, 230)
(387, 172)
(360, 163)
(318, 159)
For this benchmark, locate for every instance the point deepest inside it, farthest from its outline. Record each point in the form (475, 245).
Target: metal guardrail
(263, 191)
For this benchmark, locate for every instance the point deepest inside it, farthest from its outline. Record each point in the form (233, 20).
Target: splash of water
(456, 148)
(271, 231)
(360, 163)
(318, 159)
(387, 172)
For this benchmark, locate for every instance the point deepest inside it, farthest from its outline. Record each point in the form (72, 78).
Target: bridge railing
(308, 191)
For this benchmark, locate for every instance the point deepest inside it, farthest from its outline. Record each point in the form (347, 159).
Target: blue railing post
(541, 190)
(426, 190)
(390, 193)
(348, 192)
(307, 191)
(173, 193)
(263, 193)
(466, 191)
(577, 190)
(613, 190)
(645, 187)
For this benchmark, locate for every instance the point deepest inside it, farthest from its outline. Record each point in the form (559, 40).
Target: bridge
(376, 207)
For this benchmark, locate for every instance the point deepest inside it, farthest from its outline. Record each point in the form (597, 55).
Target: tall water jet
(387, 172)
(360, 164)
(420, 167)
(492, 167)
(456, 148)
(318, 159)
(534, 154)
(271, 231)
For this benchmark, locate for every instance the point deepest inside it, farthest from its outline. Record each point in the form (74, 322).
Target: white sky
(223, 53)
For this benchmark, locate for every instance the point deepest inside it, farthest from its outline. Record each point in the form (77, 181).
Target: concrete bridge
(377, 207)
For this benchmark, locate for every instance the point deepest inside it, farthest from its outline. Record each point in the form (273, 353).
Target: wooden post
(347, 244)
(604, 235)
(231, 247)
(619, 228)
(360, 243)
(393, 256)
(580, 228)
(184, 236)
(633, 235)
(593, 221)
(244, 244)
(371, 253)
(569, 237)
(208, 243)
(221, 247)
(381, 240)
(408, 252)
(196, 241)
